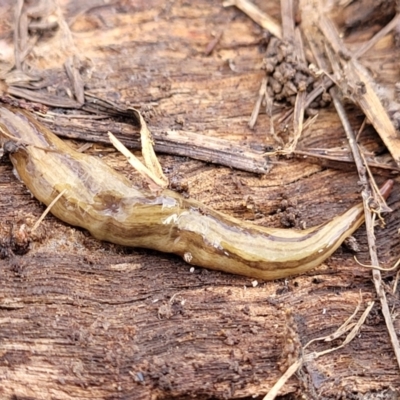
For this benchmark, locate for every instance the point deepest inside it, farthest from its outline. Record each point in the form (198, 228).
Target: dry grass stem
(283, 379)
(344, 328)
(152, 179)
(287, 20)
(341, 156)
(47, 210)
(256, 110)
(396, 281)
(259, 17)
(395, 266)
(354, 331)
(301, 98)
(361, 88)
(354, 81)
(149, 155)
(375, 39)
(72, 69)
(368, 222)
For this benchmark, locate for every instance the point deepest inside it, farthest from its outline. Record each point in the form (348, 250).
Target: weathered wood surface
(80, 319)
